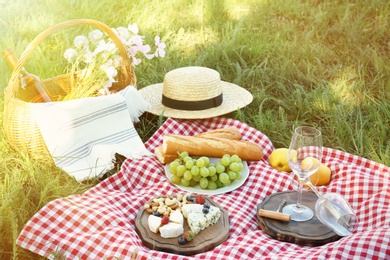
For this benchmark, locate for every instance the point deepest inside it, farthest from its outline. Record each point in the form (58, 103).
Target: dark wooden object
(207, 239)
(308, 233)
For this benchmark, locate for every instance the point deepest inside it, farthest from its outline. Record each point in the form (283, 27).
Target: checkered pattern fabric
(99, 224)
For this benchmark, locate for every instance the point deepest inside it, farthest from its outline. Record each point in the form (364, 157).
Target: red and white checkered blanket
(99, 224)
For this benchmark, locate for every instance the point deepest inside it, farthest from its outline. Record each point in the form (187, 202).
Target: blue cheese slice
(191, 208)
(213, 215)
(197, 220)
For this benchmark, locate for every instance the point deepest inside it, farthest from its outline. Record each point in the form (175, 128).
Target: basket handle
(127, 69)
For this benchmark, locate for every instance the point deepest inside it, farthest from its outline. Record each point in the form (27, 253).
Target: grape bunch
(189, 172)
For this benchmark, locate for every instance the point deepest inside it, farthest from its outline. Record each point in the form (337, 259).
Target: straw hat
(194, 93)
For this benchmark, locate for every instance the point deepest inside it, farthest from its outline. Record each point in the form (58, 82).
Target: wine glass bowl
(304, 159)
(335, 212)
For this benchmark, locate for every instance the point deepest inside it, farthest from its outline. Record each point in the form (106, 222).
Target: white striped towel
(83, 135)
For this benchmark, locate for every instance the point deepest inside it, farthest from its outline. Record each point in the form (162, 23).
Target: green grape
(225, 161)
(234, 167)
(227, 183)
(226, 155)
(183, 154)
(206, 160)
(241, 166)
(184, 182)
(238, 176)
(186, 159)
(234, 158)
(212, 185)
(223, 177)
(195, 170)
(187, 175)
(173, 165)
(219, 184)
(193, 183)
(220, 168)
(200, 163)
(189, 164)
(175, 179)
(203, 183)
(204, 172)
(212, 170)
(213, 178)
(196, 177)
(180, 170)
(232, 175)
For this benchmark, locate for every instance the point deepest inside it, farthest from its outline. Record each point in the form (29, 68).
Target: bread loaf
(211, 147)
(163, 157)
(228, 133)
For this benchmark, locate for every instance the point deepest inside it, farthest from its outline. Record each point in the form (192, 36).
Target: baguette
(163, 157)
(211, 147)
(228, 133)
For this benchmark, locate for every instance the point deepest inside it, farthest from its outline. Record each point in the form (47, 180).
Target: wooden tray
(207, 239)
(307, 233)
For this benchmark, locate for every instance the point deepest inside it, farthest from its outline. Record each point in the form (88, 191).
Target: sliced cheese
(171, 230)
(177, 217)
(154, 222)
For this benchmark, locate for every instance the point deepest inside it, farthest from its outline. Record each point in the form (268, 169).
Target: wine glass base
(300, 214)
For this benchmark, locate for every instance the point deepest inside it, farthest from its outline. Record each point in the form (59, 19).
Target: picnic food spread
(109, 219)
(167, 214)
(185, 224)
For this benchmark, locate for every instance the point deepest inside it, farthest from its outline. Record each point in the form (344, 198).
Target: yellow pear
(310, 163)
(322, 176)
(279, 159)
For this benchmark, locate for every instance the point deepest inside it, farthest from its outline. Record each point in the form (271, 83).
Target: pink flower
(160, 52)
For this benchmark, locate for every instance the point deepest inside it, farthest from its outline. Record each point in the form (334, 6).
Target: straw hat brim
(234, 97)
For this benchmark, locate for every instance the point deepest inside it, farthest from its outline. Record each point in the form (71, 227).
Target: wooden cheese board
(307, 233)
(207, 239)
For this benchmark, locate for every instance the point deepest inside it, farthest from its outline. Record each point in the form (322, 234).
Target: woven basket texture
(20, 128)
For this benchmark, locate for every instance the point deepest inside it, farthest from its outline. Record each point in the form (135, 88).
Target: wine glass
(304, 159)
(335, 212)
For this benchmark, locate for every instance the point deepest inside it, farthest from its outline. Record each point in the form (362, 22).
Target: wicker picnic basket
(20, 128)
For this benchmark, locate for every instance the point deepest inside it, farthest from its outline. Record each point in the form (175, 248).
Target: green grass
(322, 63)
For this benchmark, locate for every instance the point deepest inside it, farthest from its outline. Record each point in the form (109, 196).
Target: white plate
(197, 189)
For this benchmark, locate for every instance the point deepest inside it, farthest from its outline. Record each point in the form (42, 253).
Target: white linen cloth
(83, 135)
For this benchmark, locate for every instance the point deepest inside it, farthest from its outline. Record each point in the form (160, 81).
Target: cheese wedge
(176, 217)
(197, 220)
(171, 230)
(154, 223)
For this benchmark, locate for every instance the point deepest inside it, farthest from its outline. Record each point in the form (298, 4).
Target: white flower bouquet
(99, 59)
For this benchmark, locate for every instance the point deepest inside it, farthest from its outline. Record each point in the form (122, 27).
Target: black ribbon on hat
(192, 105)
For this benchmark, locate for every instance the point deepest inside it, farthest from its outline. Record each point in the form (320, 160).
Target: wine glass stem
(300, 187)
(313, 188)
